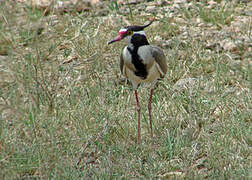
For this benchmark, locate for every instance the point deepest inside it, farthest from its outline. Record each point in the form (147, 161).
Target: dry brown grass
(60, 99)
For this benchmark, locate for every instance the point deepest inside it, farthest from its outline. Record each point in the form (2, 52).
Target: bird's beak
(117, 38)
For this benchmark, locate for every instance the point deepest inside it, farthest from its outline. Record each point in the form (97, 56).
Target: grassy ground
(61, 103)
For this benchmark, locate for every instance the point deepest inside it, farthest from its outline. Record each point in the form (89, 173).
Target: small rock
(189, 5)
(129, 2)
(247, 13)
(155, 24)
(176, 6)
(162, 2)
(94, 2)
(184, 35)
(243, 1)
(151, 9)
(135, 11)
(186, 84)
(102, 12)
(125, 10)
(40, 2)
(160, 16)
(151, 3)
(202, 25)
(214, 47)
(141, 7)
(211, 4)
(229, 45)
(230, 90)
(133, 1)
(3, 50)
(3, 58)
(180, 20)
(166, 9)
(238, 24)
(170, 15)
(180, 1)
(120, 2)
(168, 44)
(158, 38)
(198, 20)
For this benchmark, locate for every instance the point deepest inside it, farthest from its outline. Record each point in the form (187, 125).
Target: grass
(61, 103)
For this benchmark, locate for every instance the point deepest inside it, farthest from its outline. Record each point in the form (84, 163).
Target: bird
(141, 62)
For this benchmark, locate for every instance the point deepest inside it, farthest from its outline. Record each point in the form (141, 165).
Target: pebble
(229, 45)
(180, 1)
(151, 9)
(186, 84)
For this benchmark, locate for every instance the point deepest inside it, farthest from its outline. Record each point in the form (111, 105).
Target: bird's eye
(130, 32)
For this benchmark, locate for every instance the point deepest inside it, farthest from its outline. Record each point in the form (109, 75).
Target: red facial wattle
(120, 36)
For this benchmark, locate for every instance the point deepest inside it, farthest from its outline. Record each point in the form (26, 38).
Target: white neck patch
(140, 32)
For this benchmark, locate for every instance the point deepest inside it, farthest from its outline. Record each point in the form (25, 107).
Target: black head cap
(128, 30)
(138, 28)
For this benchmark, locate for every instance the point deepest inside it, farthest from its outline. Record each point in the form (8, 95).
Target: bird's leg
(138, 119)
(149, 108)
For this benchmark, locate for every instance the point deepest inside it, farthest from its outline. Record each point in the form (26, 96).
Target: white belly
(153, 75)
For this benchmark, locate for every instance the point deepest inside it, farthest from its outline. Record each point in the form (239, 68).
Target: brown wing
(160, 59)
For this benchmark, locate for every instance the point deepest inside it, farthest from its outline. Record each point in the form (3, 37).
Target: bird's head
(128, 31)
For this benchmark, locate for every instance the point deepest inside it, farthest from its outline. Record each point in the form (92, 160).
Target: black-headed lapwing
(141, 62)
